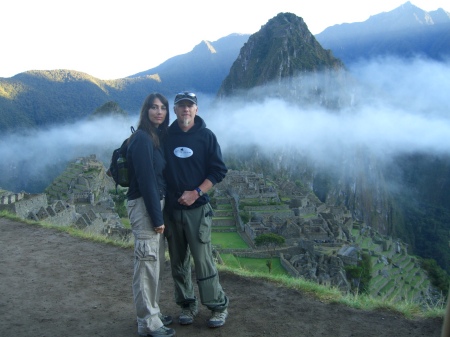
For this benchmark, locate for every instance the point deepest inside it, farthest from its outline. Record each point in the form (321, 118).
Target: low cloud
(399, 107)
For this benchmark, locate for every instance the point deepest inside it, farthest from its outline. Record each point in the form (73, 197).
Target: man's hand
(188, 198)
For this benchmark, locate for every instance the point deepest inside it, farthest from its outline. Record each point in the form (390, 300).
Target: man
(194, 165)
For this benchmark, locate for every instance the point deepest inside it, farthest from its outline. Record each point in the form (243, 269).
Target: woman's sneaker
(217, 318)
(161, 332)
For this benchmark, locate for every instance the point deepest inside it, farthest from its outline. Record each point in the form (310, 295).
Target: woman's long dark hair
(159, 133)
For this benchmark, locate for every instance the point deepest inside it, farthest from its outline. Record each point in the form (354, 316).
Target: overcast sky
(112, 39)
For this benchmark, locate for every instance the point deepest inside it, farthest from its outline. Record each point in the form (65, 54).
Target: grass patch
(224, 207)
(253, 264)
(223, 218)
(229, 240)
(407, 309)
(223, 227)
(230, 261)
(125, 222)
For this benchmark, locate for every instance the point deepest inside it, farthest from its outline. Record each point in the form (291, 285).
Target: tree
(271, 241)
(362, 273)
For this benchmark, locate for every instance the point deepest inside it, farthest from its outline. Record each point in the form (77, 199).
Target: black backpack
(118, 168)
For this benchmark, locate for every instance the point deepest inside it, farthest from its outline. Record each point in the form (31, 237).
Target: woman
(145, 203)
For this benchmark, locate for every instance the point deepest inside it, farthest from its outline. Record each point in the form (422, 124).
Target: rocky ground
(52, 284)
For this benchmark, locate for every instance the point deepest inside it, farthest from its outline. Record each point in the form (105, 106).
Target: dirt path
(53, 285)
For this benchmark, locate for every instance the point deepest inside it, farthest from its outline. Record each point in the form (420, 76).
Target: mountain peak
(283, 48)
(204, 46)
(407, 15)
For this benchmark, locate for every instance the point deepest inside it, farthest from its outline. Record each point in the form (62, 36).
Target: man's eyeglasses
(186, 96)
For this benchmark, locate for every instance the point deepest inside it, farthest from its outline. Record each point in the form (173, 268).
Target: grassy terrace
(226, 227)
(406, 280)
(223, 207)
(229, 240)
(256, 265)
(223, 218)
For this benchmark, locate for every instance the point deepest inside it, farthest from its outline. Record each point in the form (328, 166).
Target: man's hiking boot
(217, 318)
(161, 332)
(187, 316)
(165, 319)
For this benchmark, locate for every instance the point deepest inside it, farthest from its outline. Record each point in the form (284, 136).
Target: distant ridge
(404, 32)
(204, 68)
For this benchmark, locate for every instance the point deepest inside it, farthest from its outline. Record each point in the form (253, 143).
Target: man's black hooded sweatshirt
(191, 157)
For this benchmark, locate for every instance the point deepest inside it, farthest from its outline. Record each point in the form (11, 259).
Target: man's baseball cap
(185, 96)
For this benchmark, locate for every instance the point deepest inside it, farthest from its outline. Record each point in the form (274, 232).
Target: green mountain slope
(39, 98)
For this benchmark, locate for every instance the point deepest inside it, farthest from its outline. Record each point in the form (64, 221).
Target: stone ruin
(79, 197)
(319, 242)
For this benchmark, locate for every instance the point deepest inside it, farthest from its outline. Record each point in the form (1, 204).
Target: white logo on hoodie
(183, 152)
